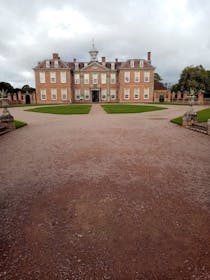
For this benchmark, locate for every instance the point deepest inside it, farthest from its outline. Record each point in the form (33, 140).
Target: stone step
(4, 130)
(201, 127)
(204, 131)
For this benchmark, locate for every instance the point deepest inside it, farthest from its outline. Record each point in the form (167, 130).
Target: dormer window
(141, 63)
(76, 66)
(132, 63)
(47, 64)
(56, 63)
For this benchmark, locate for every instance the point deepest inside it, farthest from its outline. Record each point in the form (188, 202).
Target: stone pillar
(108, 86)
(169, 96)
(208, 127)
(19, 97)
(6, 119)
(189, 118)
(185, 96)
(200, 98)
(9, 98)
(173, 96)
(179, 95)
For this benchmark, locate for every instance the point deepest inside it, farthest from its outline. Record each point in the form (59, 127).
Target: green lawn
(177, 120)
(125, 108)
(19, 124)
(63, 110)
(203, 116)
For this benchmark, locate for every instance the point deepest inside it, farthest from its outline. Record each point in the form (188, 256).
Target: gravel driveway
(104, 196)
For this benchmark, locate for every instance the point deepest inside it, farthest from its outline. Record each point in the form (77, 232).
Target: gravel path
(104, 196)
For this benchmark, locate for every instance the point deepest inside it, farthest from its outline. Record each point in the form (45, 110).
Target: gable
(94, 66)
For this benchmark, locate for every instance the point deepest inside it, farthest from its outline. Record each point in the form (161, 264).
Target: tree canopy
(6, 87)
(27, 88)
(193, 78)
(157, 77)
(175, 88)
(158, 85)
(9, 88)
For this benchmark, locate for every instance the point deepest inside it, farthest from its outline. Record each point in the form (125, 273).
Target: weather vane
(93, 43)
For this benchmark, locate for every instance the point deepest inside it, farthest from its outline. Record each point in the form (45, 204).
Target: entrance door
(95, 96)
(28, 99)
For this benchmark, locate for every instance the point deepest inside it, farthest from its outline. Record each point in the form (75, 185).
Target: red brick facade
(86, 82)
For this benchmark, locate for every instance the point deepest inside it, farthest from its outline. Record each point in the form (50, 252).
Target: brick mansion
(58, 81)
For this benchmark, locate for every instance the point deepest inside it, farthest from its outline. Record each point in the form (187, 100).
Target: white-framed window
(63, 77)
(132, 63)
(53, 77)
(42, 77)
(103, 78)
(64, 93)
(53, 94)
(47, 64)
(43, 94)
(146, 93)
(136, 76)
(76, 66)
(141, 63)
(86, 78)
(103, 94)
(113, 78)
(127, 77)
(112, 66)
(77, 94)
(136, 93)
(126, 93)
(113, 93)
(146, 76)
(87, 94)
(95, 78)
(56, 63)
(77, 78)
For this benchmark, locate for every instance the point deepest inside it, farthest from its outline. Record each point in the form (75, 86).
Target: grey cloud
(177, 33)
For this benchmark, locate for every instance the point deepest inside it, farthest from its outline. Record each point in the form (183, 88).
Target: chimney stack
(103, 59)
(116, 60)
(149, 57)
(74, 60)
(55, 56)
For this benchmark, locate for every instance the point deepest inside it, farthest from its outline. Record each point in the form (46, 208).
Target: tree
(27, 88)
(208, 82)
(158, 85)
(6, 87)
(157, 77)
(193, 78)
(175, 88)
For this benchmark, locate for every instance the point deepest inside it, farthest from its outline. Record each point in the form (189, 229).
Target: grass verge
(63, 110)
(124, 108)
(19, 124)
(203, 116)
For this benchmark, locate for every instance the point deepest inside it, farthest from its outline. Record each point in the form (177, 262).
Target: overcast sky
(176, 32)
